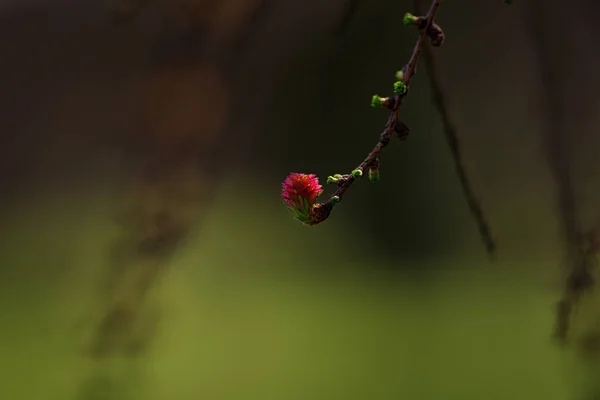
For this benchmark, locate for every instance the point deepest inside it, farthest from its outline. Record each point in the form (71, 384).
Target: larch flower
(300, 192)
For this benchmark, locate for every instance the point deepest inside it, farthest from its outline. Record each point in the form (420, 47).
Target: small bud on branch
(378, 101)
(374, 171)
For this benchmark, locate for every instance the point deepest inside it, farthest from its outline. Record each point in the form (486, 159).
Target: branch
(580, 248)
(450, 132)
(401, 87)
(300, 191)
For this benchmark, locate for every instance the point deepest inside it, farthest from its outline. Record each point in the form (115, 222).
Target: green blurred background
(145, 252)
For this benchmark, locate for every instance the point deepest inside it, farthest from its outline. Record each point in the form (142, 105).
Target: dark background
(145, 252)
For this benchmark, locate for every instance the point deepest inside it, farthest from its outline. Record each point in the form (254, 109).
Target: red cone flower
(300, 192)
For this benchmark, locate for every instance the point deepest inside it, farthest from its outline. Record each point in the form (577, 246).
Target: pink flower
(300, 192)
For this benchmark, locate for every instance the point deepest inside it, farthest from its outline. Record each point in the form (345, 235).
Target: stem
(394, 103)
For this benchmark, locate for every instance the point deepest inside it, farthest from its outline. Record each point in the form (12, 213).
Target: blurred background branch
(450, 131)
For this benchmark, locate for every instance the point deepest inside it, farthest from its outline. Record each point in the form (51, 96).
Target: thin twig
(578, 255)
(450, 131)
(393, 103)
(427, 29)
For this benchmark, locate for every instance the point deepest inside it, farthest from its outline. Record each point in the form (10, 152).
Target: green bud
(335, 179)
(335, 199)
(377, 101)
(400, 75)
(399, 88)
(357, 173)
(409, 19)
(374, 174)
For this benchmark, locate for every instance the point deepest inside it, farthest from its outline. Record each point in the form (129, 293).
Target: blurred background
(145, 252)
